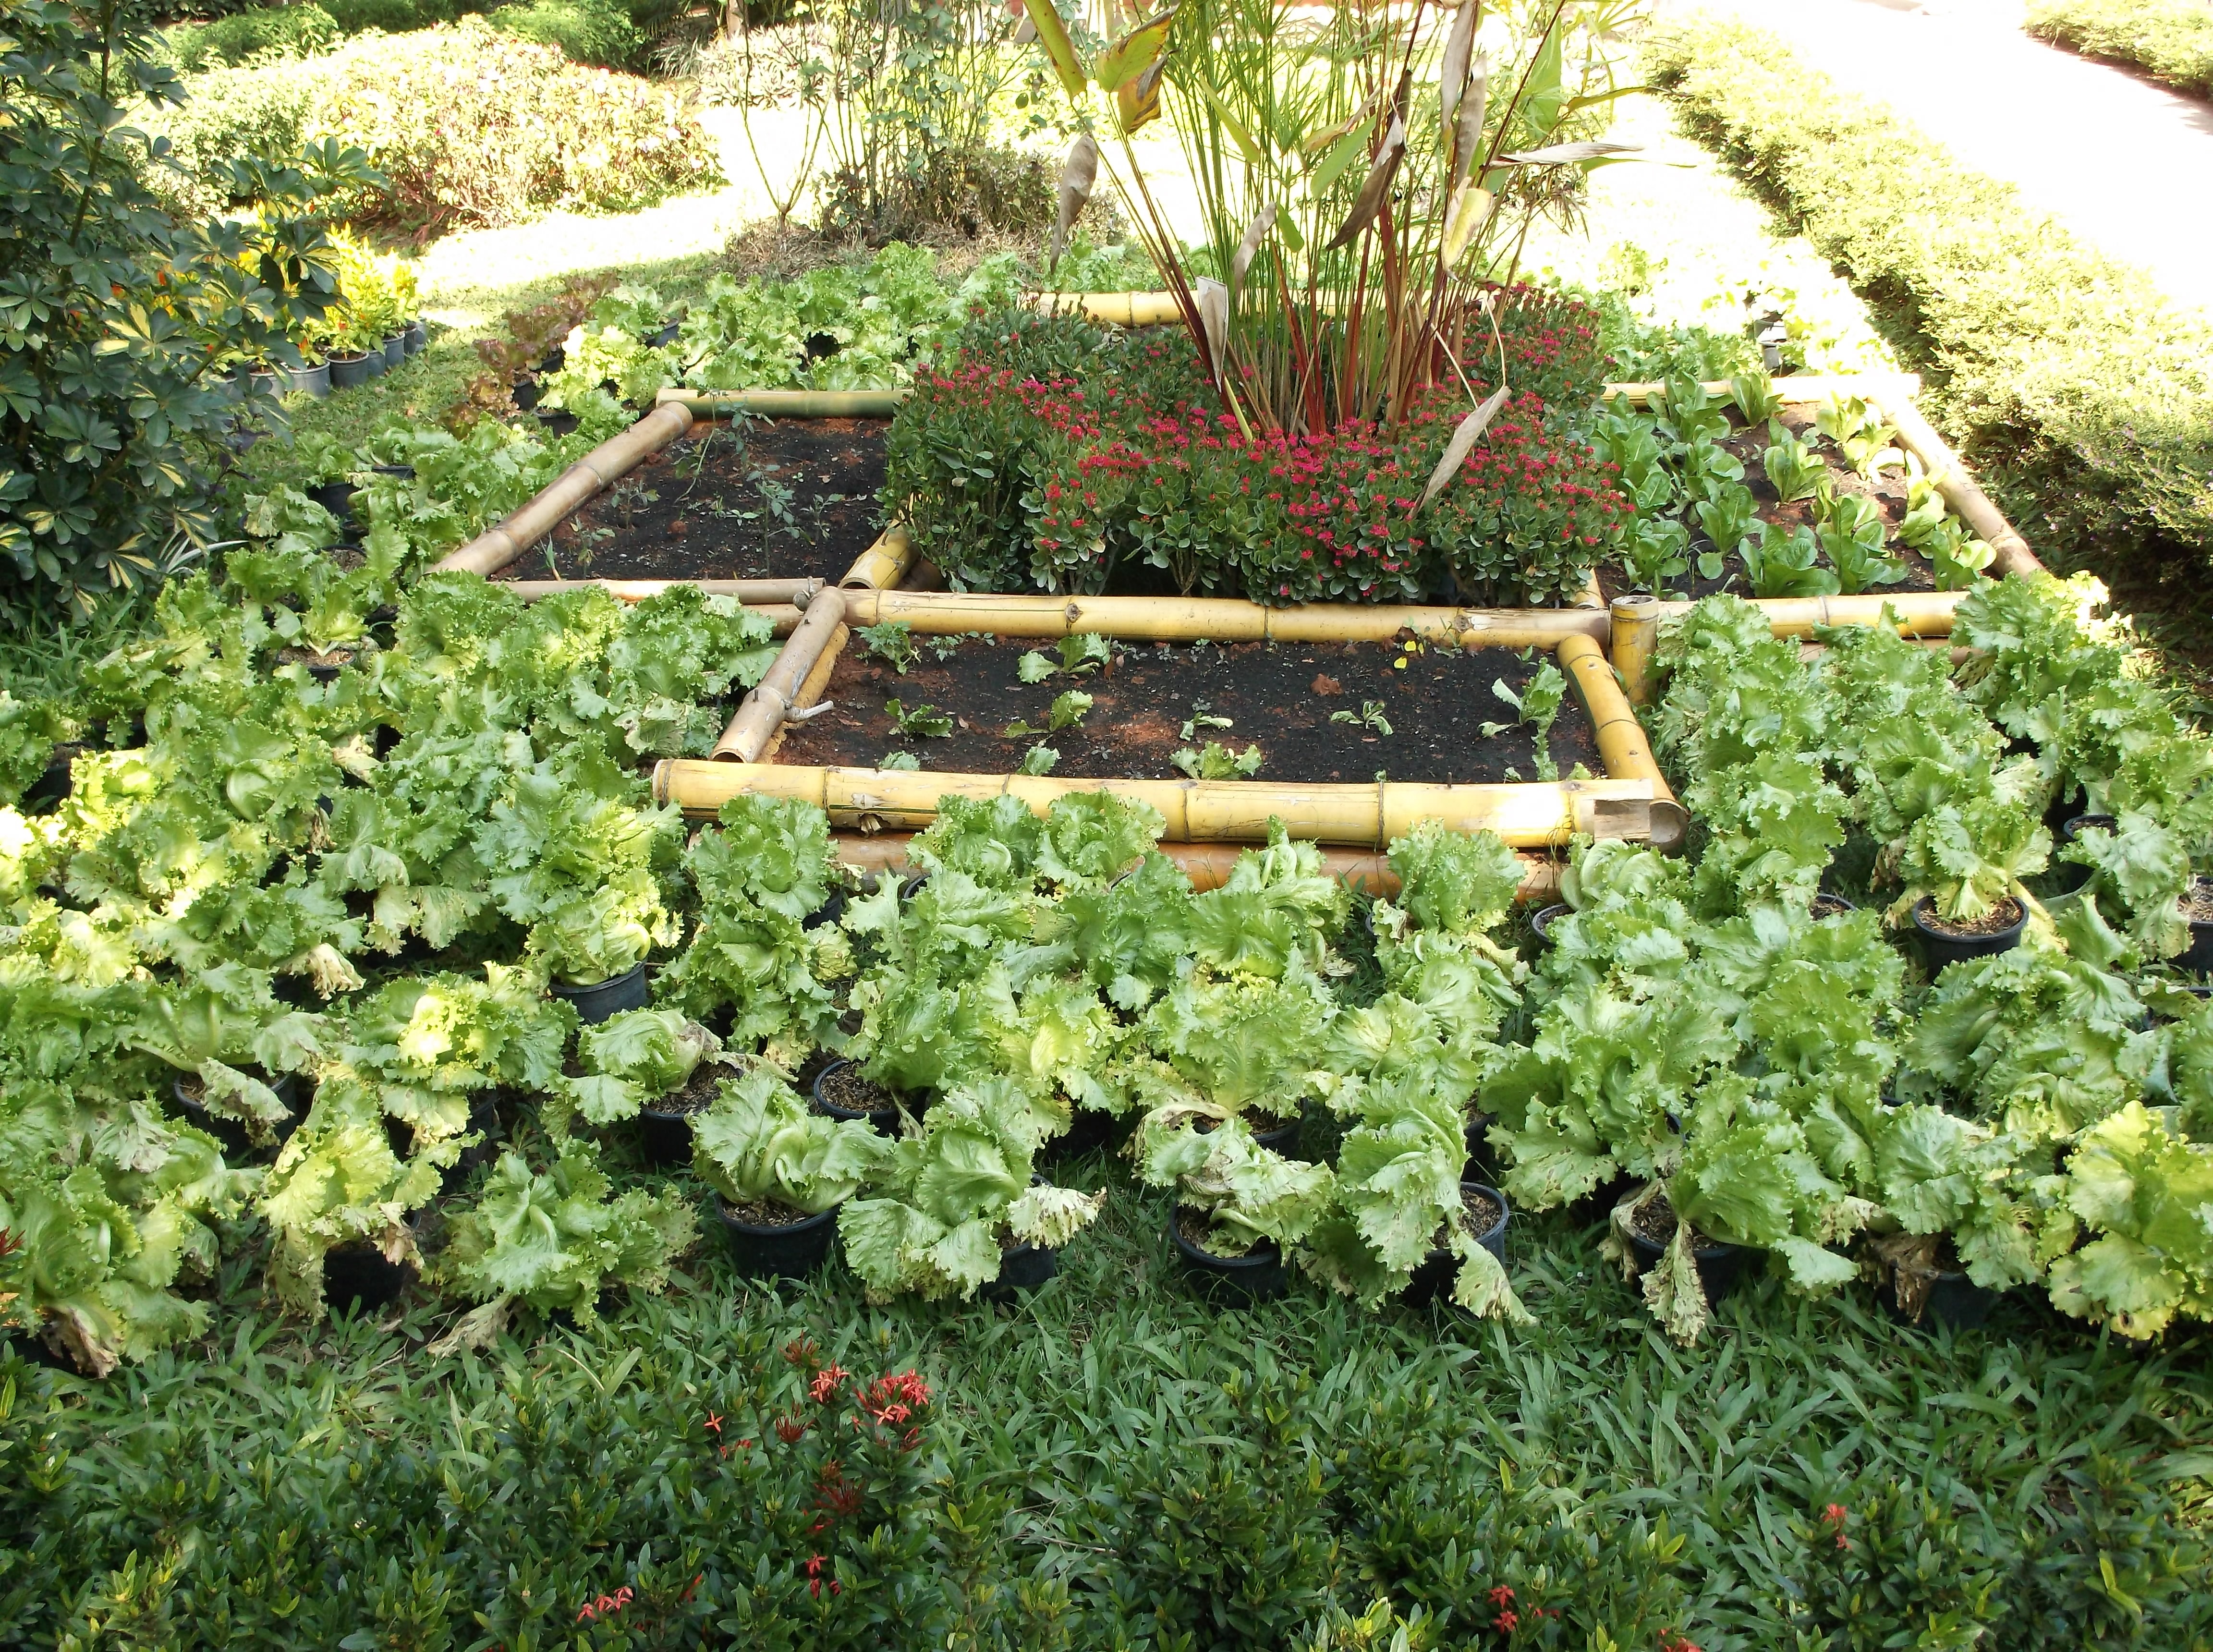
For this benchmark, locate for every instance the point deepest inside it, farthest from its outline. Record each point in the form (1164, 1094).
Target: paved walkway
(2125, 164)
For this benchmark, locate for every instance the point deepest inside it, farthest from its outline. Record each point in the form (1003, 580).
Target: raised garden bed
(1417, 713)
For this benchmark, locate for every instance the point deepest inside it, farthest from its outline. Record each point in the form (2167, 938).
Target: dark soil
(765, 1213)
(1825, 904)
(779, 499)
(846, 1088)
(1748, 445)
(1479, 1214)
(1198, 1229)
(698, 1094)
(2003, 916)
(1278, 697)
(2197, 903)
(1655, 1221)
(287, 655)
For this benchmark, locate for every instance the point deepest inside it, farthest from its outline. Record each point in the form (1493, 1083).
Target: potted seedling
(238, 1053)
(955, 1207)
(1962, 864)
(654, 1065)
(1239, 1208)
(780, 1170)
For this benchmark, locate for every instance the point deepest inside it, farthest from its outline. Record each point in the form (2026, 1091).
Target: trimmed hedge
(2171, 40)
(2075, 388)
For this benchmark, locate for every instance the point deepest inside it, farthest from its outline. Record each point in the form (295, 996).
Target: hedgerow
(2171, 40)
(2065, 377)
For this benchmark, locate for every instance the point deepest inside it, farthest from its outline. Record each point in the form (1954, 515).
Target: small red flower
(825, 1383)
(1505, 1621)
(1501, 1596)
(790, 1430)
(714, 1423)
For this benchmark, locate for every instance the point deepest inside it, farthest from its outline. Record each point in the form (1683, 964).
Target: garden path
(2125, 164)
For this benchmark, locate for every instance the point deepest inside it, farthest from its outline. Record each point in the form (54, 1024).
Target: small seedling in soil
(1218, 762)
(942, 648)
(891, 641)
(899, 761)
(1200, 719)
(1791, 466)
(1068, 709)
(1038, 760)
(1538, 705)
(925, 721)
(1369, 715)
(1085, 651)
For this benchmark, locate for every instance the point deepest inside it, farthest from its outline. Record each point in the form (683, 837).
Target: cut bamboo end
(762, 712)
(1622, 746)
(811, 689)
(788, 404)
(1796, 389)
(1535, 815)
(1220, 619)
(1635, 632)
(883, 564)
(1959, 488)
(1207, 865)
(496, 547)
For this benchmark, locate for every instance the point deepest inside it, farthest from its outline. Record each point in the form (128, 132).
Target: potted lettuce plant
(1240, 1208)
(654, 1065)
(780, 1170)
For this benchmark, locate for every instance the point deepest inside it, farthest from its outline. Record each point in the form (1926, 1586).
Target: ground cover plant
(2171, 42)
(2090, 418)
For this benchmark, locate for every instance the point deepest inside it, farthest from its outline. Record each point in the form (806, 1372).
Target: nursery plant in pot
(653, 1065)
(780, 1172)
(1239, 1209)
(955, 1206)
(1962, 866)
(239, 1053)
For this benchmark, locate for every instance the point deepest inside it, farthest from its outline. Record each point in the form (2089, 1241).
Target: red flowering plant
(836, 1463)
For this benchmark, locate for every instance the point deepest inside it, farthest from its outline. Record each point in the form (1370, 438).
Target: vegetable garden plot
(741, 500)
(1310, 712)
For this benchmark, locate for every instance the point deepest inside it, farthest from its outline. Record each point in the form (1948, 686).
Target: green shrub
(2066, 378)
(393, 16)
(279, 32)
(589, 31)
(262, 112)
(2171, 40)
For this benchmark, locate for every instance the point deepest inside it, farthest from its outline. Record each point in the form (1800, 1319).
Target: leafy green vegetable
(761, 1142)
(1217, 762)
(633, 1058)
(923, 722)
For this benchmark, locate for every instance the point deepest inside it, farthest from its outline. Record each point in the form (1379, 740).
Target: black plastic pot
(1088, 1131)
(525, 393)
(405, 472)
(309, 381)
(557, 424)
(2068, 876)
(791, 1251)
(1543, 920)
(1828, 905)
(1433, 1275)
(231, 1132)
(1277, 1138)
(1954, 1300)
(1255, 1276)
(2197, 959)
(268, 380)
(45, 794)
(395, 350)
(357, 1276)
(886, 1119)
(827, 913)
(1022, 1267)
(602, 999)
(1481, 1167)
(417, 335)
(484, 1118)
(1941, 947)
(337, 497)
(352, 372)
(555, 359)
(329, 674)
(1719, 1267)
(665, 1136)
(663, 334)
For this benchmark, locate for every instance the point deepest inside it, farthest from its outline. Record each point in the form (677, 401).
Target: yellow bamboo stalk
(1220, 619)
(1918, 613)
(1796, 389)
(812, 689)
(1535, 815)
(786, 404)
(761, 714)
(883, 564)
(1114, 309)
(1958, 487)
(1636, 631)
(753, 593)
(1207, 865)
(496, 547)
(1622, 746)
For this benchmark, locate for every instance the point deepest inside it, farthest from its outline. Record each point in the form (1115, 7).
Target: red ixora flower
(814, 1578)
(1670, 1641)
(801, 1352)
(1504, 1622)
(790, 1430)
(826, 1382)
(605, 1605)
(1834, 1514)
(1501, 1596)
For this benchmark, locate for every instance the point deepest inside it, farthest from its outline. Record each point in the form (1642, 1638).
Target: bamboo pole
(1114, 309)
(1220, 619)
(1622, 746)
(1796, 389)
(761, 714)
(883, 564)
(1207, 865)
(1636, 630)
(786, 404)
(1958, 487)
(1531, 815)
(618, 455)
(811, 689)
(753, 593)
(1918, 613)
